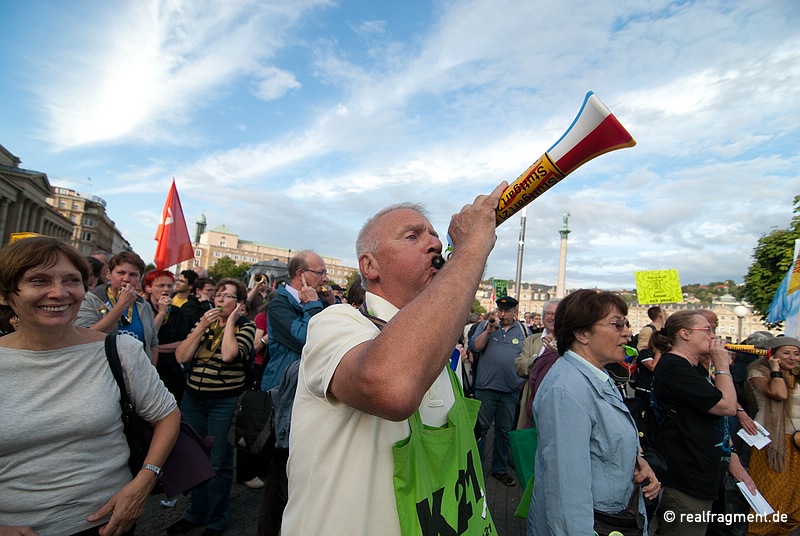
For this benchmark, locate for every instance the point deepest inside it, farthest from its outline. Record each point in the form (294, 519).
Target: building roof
(224, 229)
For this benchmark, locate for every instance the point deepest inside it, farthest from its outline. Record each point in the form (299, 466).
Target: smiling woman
(64, 420)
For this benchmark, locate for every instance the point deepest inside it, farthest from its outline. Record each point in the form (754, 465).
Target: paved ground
(246, 503)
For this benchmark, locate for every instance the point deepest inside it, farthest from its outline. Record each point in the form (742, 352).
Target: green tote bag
(438, 478)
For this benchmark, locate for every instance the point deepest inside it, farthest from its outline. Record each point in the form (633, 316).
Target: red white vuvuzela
(593, 132)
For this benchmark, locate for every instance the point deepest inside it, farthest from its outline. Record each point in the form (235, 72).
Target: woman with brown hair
(776, 467)
(588, 460)
(63, 452)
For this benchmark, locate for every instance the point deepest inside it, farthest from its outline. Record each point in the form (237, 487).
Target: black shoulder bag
(186, 467)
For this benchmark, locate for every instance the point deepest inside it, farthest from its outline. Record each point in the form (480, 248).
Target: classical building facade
(93, 230)
(23, 202)
(215, 244)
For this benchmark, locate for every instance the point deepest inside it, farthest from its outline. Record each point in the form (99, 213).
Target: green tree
(350, 278)
(227, 267)
(772, 258)
(477, 307)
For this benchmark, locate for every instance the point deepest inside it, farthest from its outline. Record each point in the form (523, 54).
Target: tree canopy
(772, 258)
(227, 267)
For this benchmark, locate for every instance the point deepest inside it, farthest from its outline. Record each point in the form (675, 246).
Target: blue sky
(292, 122)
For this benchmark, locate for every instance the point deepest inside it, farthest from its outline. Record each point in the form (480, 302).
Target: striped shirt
(210, 377)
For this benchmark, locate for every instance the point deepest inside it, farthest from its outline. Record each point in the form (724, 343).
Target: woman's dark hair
(581, 310)
(241, 290)
(664, 339)
(356, 293)
(96, 266)
(22, 255)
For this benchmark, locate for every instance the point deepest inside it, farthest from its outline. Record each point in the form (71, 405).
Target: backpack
(251, 425)
(635, 339)
(641, 377)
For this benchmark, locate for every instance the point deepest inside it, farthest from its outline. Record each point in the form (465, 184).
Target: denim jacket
(588, 444)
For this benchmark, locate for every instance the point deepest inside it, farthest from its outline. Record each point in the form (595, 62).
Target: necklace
(127, 318)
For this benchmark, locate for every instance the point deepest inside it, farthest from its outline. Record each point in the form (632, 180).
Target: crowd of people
(382, 404)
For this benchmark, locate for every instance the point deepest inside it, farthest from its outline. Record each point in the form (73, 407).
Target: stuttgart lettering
(536, 180)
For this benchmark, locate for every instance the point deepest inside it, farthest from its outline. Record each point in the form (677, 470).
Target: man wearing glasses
(288, 316)
(289, 313)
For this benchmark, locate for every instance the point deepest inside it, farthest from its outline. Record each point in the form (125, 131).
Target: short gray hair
(549, 303)
(367, 240)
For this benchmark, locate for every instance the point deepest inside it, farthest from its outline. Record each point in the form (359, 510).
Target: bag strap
(379, 322)
(415, 421)
(112, 355)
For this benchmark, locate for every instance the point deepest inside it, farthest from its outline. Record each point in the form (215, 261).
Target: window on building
(86, 236)
(222, 243)
(196, 262)
(236, 257)
(198, 252)
(75, 206)
(217, 254)
(88, 222)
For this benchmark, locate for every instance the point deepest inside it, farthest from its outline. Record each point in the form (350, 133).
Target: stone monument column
(562, 258)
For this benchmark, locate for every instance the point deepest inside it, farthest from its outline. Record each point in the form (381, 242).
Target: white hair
(368, 241)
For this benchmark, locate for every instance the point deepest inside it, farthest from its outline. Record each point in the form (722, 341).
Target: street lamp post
(741, 311)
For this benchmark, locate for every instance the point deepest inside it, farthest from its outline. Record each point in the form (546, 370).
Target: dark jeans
(211, 501)
(730, 501)
(497, 407)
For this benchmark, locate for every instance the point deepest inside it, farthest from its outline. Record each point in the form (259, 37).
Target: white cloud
(282, 114)
(273, 83)
(153, 64)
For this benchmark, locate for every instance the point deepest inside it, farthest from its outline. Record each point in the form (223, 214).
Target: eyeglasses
(619, 324)
(226, 296)
(709, 330)
(320, 273)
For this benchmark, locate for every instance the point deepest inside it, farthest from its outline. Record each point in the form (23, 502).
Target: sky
(293, 122)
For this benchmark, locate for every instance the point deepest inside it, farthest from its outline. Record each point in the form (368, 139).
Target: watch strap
(156, 469)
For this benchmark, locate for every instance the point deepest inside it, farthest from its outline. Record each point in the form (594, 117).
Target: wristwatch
(156, 469)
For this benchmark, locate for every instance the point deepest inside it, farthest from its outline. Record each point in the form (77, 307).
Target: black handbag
(629, 522)
(188, 464)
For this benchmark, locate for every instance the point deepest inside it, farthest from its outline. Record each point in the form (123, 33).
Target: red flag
(174, 244)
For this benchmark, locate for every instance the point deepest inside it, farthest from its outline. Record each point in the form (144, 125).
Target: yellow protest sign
(658, 286)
